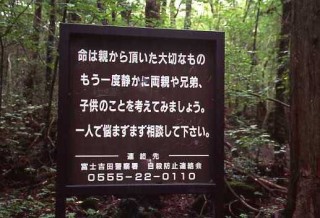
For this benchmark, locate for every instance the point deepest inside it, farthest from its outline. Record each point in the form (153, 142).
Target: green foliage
(21, 123)
(243, 215)
(252, 148)
(28, 207)
(249, 137)
(93, 214)
(21, 129)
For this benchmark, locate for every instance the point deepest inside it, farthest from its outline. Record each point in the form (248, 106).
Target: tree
(51, 62)
(101, 8)
(125, 11)
(152, 13)
(163, 11)
(172, 14)
(50, 44)
(187, 20)
(280, 122)
(304, 188)
(30, 80)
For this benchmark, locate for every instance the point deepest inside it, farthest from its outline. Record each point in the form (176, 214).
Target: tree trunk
(1, 71)
(53, 82)
(254, 57)
(126, 10)
(152, 13)
(280, 131)
(211, 7)
(50, 44)
(187, 19)
(248, 4)
(50, 59)
(73, 17)
(304, 189)
(254, 63)
(101, 8)
(163, 11)
(29, 82)
(172, 14)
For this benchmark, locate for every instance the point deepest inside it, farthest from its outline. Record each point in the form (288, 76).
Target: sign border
(64, 109)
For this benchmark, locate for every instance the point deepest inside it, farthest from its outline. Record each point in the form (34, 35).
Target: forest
(272, 105)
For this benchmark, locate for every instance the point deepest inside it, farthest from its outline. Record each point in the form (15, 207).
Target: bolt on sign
(140, 111)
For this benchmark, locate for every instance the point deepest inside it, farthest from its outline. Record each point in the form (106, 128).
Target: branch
(240, 199)
(15, 20)
(268, 98)
(283, 189)
(270, 186)
(178, 9)
(248, 3)
(271, 99)
(230, 208)
(204, 204)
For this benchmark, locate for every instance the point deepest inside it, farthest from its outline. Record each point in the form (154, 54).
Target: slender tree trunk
(53, 80)
(280, 133)
(30, 79)
(304, 188)
(73, 17)
(187, 19)
(217, 11)
(163, 11)
(50, 44)
(50, 60)
(172, 9)
(254, 57)
(152, 13)
(248, 5)
(101, 8)
(1, 71)
(211, 7)
(125, 11)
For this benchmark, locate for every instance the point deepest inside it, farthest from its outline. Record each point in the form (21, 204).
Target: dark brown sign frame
(216, 186)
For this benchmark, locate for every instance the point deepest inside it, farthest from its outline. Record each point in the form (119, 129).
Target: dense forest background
(257, 89)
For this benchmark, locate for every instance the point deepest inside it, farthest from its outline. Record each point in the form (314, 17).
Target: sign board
(140, 110)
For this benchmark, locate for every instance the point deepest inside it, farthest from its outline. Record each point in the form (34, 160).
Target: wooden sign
(140, 111)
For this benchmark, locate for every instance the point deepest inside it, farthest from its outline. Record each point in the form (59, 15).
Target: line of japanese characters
(110, 166)
(140, 131)
(155, 81)
(137, 57)
(139, 106)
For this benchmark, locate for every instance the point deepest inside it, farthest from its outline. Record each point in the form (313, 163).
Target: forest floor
(255, 178)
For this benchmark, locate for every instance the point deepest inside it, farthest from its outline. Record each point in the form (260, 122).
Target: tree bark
(172, 9)
(187, 19)
(248, 4)
(29, 82)
(1, 71)
(101, 8)
(211, 7)
(50, 44)
(280, 131)
(304, 189)
(126, 10)
(54, 76)
(254, 63)
(50, 59)
(163, 11)
(254, 57)
(152, 13)
(73, 17)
